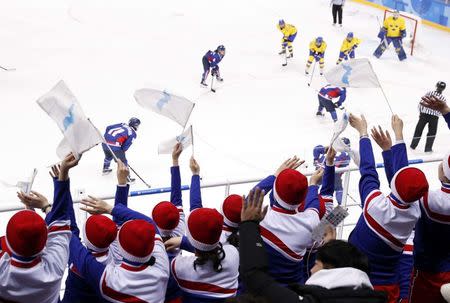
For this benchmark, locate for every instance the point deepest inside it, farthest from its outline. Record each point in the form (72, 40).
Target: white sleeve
(56, 253)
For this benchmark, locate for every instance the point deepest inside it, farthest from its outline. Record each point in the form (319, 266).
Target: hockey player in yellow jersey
(317, 49)
(289, 33)
(348, 48)
(393, 30)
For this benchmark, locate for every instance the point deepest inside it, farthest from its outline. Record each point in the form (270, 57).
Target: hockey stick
(146, 184)
(114, 155)
(7, 69)
(384, 37)
(212, 82)
(312, 74)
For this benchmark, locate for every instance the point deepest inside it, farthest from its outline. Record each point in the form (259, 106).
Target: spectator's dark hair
(215, 256)
(233, 238)
(338, 253)
(247, 298)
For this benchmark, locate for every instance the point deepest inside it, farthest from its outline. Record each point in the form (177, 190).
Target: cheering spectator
(34, 252)
(387, 221)
(431, 254)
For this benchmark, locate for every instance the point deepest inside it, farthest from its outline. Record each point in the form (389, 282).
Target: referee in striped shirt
(428, 116)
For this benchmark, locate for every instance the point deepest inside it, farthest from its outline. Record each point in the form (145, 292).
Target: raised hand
(436, 104)
(95, 206)
(33, 200)
(54, 172)
(331, 154)
(252, 206)
(316, 178)
(383, 139)
(292, 163)
(360, 124)
(193, 165)
(176, 152)
(66, 164)
(122, 173)
(397, 126)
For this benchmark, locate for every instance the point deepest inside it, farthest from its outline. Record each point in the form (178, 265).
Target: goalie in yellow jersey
(289, 33)
(393, 30)
(317, 49)
(348, 48)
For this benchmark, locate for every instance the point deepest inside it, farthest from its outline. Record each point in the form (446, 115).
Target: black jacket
(253, 267)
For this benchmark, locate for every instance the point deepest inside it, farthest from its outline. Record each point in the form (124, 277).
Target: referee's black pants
(432, 122)
(336, 11)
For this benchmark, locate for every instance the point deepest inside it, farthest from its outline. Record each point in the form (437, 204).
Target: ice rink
(262, 114)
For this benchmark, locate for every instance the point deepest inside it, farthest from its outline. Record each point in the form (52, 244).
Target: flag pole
(192, 136)
(381, 87)
(114, 156)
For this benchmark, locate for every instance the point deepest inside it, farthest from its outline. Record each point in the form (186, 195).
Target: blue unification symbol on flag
(163, 101)
(68, 120)
(180, 139)
(348, 71)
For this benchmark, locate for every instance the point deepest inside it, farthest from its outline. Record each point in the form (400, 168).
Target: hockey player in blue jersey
(326, 96)
(341, 160)
(211, 62)
(119, 138)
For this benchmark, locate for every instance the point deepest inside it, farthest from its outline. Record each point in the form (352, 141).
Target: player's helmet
(441, 85)
(134, 123)
(220, 48)
(281, 23)
(350, 35)
(396, 14)
(319, 40)
(346, 141)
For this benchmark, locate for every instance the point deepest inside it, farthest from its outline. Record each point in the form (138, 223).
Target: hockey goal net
(413, 24)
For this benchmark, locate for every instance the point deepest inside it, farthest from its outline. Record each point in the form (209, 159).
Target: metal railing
(228, 183)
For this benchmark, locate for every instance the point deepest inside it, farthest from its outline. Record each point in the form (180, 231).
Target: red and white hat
(136, 240)
(446, 165)
(26, 234)
(231, 210)
(204, 228)
(409, 184)
(166, 216)
(290, 189)
(99, 232)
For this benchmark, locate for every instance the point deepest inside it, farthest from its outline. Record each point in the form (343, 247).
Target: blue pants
(207, 67)
(109, 156)
(343, 56)
(328, 105)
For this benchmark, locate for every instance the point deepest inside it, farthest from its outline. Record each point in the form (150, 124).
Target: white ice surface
(262, 114)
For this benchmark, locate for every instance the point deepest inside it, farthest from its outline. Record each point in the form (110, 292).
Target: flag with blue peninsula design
(356, 73)
(79, 133)
(164, 103)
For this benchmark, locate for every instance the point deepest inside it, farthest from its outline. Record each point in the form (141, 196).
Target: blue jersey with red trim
(332, 92)
(214, 58)
(383, 258)
(341, 160)
(120, 135)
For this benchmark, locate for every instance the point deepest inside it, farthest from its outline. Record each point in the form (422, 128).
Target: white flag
(186, 139)
(24, 186)
(79, 133)
(339, 127)
(354, 73)
(173, 107)
(340, 146)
